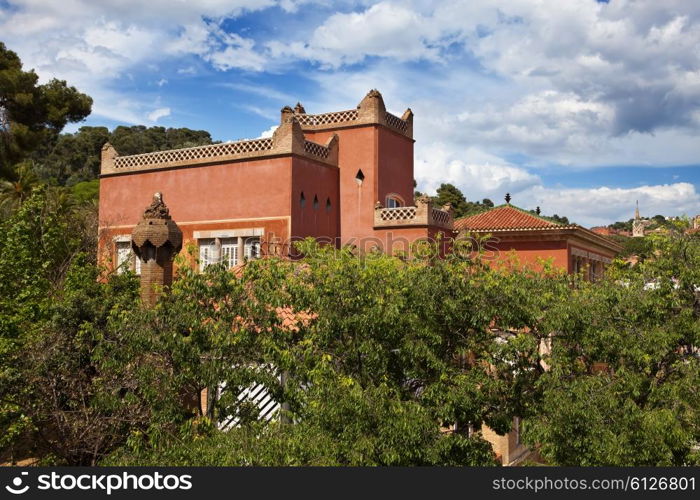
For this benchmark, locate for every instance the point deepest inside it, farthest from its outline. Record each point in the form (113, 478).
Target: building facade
(532, 239)
(344, 178)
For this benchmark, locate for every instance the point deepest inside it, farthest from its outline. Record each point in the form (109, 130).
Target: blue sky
(579, 107)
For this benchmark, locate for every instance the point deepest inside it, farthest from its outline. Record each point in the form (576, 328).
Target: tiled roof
(504, 217)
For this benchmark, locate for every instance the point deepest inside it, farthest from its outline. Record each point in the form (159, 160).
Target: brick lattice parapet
(370, 111)
(423, 214)
(288, 139)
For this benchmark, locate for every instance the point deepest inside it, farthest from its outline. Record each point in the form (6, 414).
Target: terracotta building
(531, 238)
(343, 177)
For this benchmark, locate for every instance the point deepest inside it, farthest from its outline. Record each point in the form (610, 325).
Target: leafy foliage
(375, 357)
(448, 193)
(37, 244)
(30, 113)
(621, 389)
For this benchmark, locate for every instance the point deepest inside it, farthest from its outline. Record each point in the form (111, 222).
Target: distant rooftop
(508, 219)
(505, 217)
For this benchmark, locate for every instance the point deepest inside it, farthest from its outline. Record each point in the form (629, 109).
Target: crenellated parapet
(370, 111)
(287, 139)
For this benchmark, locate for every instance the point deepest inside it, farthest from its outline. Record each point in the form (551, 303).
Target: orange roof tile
(504, 217)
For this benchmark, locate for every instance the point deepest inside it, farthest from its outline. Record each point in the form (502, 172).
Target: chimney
(156, 240)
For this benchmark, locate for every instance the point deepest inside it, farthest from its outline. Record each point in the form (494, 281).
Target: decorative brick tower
(156, 240)
(638, 224)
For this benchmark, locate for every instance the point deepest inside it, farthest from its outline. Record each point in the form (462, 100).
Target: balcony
(422, 214)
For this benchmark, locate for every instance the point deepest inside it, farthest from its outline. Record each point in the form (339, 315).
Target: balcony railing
(422, 214)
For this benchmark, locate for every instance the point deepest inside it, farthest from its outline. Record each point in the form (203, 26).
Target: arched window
(328, 205)
(315, 202)
(359, 177)
(302, 200)
(393, 201)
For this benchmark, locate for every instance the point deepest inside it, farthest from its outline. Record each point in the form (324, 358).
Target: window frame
(393, 200)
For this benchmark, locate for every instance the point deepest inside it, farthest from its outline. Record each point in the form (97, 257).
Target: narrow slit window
(315, 202)
(328, 205)
(302, 200)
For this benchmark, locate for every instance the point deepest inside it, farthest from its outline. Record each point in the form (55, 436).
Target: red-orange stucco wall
(316, 181)
(395, 156)
(386, 161)
(357, 150)
(237, 190)
(529, 253)
(223, 196)
(400, 240)
(275, 231)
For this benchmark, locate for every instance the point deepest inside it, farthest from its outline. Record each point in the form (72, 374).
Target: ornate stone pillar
(156, 240)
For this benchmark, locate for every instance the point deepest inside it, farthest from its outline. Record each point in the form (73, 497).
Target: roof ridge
(522, 210)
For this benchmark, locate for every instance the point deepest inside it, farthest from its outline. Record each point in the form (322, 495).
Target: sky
(580, 107)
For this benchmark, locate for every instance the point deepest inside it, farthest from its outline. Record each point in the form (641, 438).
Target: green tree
(400, 348)
(71, 158)
(14, 192)
(448, 193)
(624, 371)
(623, 225)
(140, 139)
(75, 158)
(641, 247)
(31, 113)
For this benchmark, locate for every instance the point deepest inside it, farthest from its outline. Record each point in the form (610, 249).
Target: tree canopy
(404, 349)
(449, 193)
(74, 158)
(32, 113)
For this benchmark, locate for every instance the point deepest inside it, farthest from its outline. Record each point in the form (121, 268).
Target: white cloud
(476, 173)
(234, 51)
(482, 175)
(384, 29)
(261, 91)
(601, 206)
(94, 45)
(268, 133)
(568, 83)
(159, 113)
